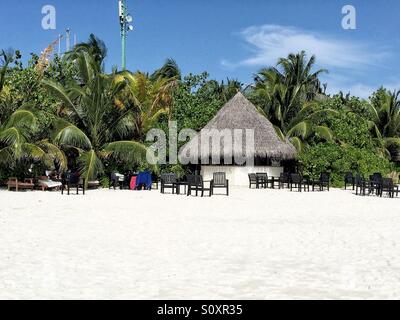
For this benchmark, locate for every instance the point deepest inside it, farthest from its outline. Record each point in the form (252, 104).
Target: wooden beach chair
(196, 183)
(168, 181)
(253, 180)
(27, 184)
(219, 181)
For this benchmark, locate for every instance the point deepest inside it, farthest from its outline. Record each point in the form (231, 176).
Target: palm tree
(150, 98)
(94, 125)
(94, 47)
(286, 96)
(297, 72)
(170, 70)
(303, 126)
(384, 112)
(6, 58)
(16, 142)
(227, 90)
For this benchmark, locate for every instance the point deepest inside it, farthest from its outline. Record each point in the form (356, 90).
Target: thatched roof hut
(240, 113)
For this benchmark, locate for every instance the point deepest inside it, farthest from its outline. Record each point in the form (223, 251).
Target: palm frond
(297, 143)
(22, 119)
(86, 66)
(153, 119)
(130, 152)
(68, 134)
(279, 133)
(12, 136)
(90, 166)
(324, 132)
(7, 156)
(302, 129)
(32, 151)
(61, 93)
(54, 153)
(392, 141)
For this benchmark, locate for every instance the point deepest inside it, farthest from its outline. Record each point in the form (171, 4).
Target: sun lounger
(93, 184)
(27, 184)
(48, 184)
(117, 179)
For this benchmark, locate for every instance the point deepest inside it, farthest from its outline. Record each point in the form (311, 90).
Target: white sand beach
(256, 244)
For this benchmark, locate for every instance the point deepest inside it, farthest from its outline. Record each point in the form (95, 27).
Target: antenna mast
(68, 40)
(125, 20)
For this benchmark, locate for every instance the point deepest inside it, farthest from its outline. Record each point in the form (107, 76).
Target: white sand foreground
(256, 244)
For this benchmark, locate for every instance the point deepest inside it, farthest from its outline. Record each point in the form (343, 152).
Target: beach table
(275, 181)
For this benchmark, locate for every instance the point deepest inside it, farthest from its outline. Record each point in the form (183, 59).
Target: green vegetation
(285, 97)
(67, 112)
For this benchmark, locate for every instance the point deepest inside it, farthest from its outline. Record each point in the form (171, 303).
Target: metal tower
(125, 20)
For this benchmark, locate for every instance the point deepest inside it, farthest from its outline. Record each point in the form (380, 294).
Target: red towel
(133, 183)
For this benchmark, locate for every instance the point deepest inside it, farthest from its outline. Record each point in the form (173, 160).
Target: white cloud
(349, 62)
(361, 90)
(270, 42)
(358, 90)
(338, 82)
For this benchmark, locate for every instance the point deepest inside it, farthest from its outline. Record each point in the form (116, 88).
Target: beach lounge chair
(26, 184)
(349, 179)
(168, 181)
(253, 180)
(95, 184)
(72, 180)
(196, 183)
(46, 183)
(117, 180)
(219, 181)
(322, 182)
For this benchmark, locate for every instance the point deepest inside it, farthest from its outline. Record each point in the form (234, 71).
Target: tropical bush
(338, 160)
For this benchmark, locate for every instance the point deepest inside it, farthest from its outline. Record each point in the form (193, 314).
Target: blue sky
(229, 39)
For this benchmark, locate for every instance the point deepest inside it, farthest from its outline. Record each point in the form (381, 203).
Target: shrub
(105, 182)
(337, 160)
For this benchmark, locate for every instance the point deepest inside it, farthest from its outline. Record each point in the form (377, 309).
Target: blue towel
(144, 178)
